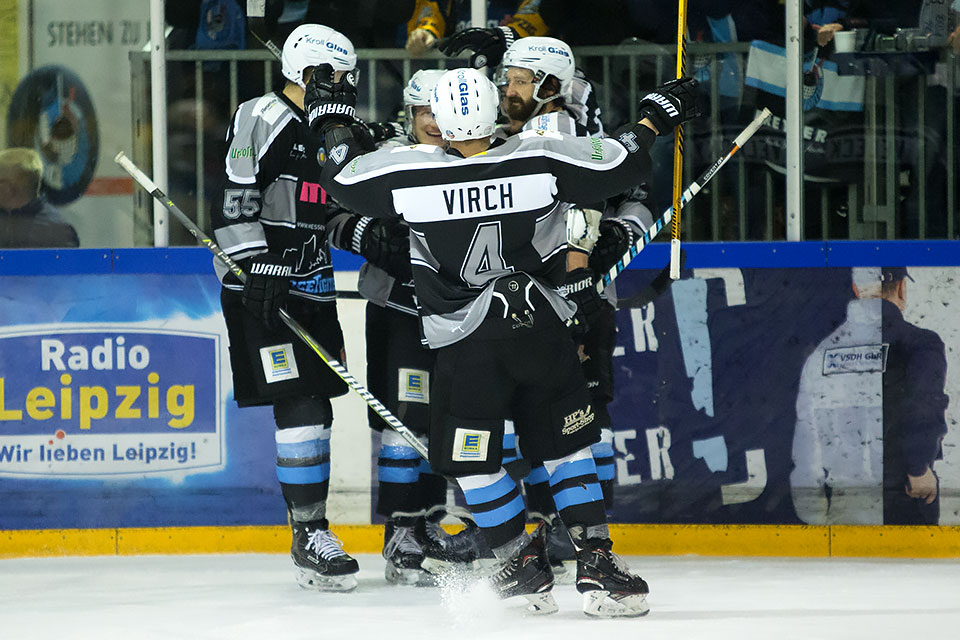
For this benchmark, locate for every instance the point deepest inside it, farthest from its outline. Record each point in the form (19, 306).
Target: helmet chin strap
(541, 103)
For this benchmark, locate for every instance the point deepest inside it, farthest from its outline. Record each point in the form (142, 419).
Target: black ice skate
(560, 550)
(528, 574)
(460, 552)
(319, 559)
(403, 554)
(609, 589)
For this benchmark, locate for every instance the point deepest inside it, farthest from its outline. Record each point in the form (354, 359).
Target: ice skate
(560, 550)
(404, 555)
(609, 589)
(320, 563)
(464, 551)
(527, 574)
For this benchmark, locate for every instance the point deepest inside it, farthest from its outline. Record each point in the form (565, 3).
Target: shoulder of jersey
(555, 122)
(268, 108)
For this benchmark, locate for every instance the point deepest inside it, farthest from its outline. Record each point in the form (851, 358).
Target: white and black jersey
(272, 199)
(474, 220)
(374, 283)
(628, 207)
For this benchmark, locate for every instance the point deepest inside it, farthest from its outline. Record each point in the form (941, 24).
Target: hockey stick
(678, 144)
(688, 194)
(294, 326)
(256, 12)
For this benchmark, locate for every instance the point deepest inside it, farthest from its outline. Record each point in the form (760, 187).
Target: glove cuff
(356, 240)
(509, 36)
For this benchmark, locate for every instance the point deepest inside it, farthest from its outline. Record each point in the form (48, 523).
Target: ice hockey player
(541, 90)
(399, 370)
(488, 250)
(271, 219)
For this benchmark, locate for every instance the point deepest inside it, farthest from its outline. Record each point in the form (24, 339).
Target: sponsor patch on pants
(414, 386)
(279, 363)
(470, 445)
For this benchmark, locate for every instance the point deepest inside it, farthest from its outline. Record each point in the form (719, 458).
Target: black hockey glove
(580, 287)
(266, 288)
(383, 131)
(616, 237)
(487, 45)
(330, 103)
(671, 104)
(383, 243)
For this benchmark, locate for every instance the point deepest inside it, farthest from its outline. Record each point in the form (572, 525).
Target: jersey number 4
(484, 255)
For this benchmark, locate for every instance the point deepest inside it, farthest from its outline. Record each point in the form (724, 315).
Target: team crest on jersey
(470, 445)
(279, 363)
(339, 153)
(414, 386)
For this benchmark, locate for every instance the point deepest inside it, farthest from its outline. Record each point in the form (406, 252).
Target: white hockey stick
(294, 326)
(688, 194)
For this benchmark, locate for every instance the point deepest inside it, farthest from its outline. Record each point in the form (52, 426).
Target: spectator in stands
(27, 220)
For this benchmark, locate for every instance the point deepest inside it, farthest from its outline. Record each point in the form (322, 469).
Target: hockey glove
(582, 228)
(616, 238)
(328, 102)
(383, 131)
(487, 45)
(266, 288)
(580, 287)
(384, 243)
(672, 104)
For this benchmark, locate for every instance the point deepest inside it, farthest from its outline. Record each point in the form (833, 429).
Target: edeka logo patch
(104, 402)
(279, 363)
(470, 445)
(577, 420)
(414, 386)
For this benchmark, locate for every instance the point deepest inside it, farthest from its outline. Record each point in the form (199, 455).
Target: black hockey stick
(294, 326)
(256, 12)
(656, 287)
(688, 194)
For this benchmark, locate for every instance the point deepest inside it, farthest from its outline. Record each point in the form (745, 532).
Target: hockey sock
(398, 475)
(497, 508)
(513, 461)
(536, 486)
(432, 488)
(303, 468)
(603, 459)
(577, 494)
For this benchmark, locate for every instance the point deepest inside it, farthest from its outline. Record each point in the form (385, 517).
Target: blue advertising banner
(789, 395)
(116, 403)
(773, 383)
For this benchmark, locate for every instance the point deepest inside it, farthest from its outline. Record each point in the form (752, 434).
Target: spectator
(27, 220)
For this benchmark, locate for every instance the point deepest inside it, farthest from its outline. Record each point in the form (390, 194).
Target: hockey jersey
(374, 283)
(272, 199)
(474, 220)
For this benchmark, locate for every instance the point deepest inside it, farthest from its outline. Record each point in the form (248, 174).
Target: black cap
(894, 274)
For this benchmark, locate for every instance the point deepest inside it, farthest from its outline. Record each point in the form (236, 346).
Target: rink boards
(118, 433)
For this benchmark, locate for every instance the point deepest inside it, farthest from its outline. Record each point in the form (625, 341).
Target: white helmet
(465, 105)
(310, 45)
(544, 57)
(417, 94)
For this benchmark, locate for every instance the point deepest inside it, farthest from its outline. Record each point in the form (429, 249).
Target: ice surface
(236, 597)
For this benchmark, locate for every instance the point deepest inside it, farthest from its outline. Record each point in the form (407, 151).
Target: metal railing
(894, 198)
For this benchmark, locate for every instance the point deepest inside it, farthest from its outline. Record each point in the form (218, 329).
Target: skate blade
(540, 604)
(600, 604)
(437, 566)
(565, 573)
(313, 581)
(407, 577)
